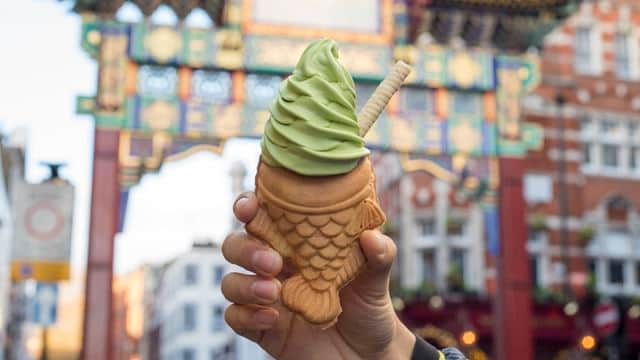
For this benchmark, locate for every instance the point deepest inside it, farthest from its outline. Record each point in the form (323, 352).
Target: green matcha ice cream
(313, 128)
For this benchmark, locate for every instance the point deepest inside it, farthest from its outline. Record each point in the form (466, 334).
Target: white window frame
(420, 270)
(594, 66)
(538, 188)
(466, 263)
(632, 52)
(609, 167)
(621, 138)
(634, 150)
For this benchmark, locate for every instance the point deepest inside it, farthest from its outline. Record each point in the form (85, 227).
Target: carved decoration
(108, 7)
(182, 8)
(147, 6)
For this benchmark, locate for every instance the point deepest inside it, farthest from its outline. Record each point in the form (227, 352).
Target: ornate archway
(164, 90)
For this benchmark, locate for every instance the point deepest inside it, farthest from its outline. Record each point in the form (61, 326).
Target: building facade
(132, 292)
(441, 234)
(11, 171)
(581, 191)
(582, 186)
(190, 307)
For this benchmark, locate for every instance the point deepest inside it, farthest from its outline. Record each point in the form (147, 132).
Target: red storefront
(455, 321)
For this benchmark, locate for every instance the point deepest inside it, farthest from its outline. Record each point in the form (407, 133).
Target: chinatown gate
(165, 92)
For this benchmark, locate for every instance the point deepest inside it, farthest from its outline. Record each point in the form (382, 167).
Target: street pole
(45, 351)
(563, 196)
(513, 337)
(103, 226)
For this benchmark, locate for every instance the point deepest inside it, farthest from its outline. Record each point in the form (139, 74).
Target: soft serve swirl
(313, 129)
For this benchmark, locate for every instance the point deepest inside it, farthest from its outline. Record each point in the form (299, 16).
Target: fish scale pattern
(320, 243)
(320, 238)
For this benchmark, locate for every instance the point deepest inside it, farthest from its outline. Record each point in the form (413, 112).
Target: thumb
(373, 283)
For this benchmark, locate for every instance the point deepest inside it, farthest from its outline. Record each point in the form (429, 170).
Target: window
(623, 58)
(187, 354)
(609, 127)
(225, 353)
(457, 267)
(429, 266)
(426, 227)
(536, 236)
(533, 266)
(217, 318)
(190, 274)
(633, 158)
(616, 272)
(218, 273)
(610, 155)
(189, 317)
(455, 227)
(591, 266)
(586, 154)
(586, 125)
(583, 50)
(537, 188)
(633, 131)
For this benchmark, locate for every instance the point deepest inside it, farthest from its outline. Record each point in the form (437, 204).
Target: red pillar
(105, 202)
(512, 304)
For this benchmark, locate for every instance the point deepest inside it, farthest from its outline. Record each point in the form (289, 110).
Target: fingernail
(265, 290)
(382, 245)
(265, 319)
(240, 201)
(265, 261)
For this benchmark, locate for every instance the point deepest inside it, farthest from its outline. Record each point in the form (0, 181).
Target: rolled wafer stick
(379, 99)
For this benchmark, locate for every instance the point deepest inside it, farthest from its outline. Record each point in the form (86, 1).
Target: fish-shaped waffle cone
(315, 221)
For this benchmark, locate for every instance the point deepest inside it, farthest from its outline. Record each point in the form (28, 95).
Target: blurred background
(508, 167)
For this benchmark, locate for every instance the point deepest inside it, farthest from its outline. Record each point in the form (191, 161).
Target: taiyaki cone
(315, 221)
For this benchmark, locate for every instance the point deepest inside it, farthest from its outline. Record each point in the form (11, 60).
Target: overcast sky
(42, 71)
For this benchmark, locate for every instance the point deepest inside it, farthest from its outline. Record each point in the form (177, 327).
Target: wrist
(401, 347)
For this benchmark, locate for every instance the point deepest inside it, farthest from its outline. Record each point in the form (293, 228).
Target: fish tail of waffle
(318, 307)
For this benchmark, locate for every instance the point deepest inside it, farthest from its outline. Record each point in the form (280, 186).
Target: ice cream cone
(315, 221)
(315, 183)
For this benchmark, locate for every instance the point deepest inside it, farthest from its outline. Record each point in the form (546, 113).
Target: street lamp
(563, 196)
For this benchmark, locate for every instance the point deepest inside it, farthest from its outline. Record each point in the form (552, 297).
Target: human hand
(368, 327)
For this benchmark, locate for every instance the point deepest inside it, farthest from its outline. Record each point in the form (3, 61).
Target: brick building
(581, 186)
(588, 104)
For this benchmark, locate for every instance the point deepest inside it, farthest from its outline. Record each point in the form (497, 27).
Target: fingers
(380, 251)
(250, 289)
(250, 320)
(246, 207)
(243, 250)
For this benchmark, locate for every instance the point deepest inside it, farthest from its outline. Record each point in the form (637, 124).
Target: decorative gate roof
(502, 24)
(182, 8)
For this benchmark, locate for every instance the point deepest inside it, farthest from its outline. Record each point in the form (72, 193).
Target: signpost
(43, 219)
(44, 311)
(606, 321)
(606, 318)
(44, 308)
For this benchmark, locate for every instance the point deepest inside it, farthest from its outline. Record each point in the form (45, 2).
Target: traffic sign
(44, 308)
(41, 246)
(606, 318)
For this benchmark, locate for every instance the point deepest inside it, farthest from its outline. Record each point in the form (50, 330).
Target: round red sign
(44, 221)
(606, 318)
